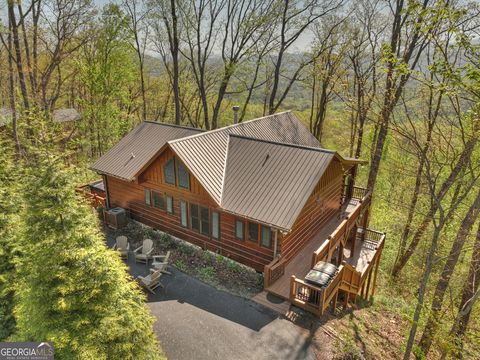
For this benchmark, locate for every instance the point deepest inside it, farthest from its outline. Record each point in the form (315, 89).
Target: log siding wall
(321, 206)
(315, 214)
(130, 195)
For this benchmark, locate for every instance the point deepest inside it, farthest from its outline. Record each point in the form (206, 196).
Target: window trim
(218, 224)
(147, 199)
(261, 236)
(186, 213)
(242, 227)
(172, 211)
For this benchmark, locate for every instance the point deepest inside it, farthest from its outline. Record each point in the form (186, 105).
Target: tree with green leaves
(8, 222)
(71, 290)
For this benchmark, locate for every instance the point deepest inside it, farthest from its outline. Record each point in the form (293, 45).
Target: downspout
(275, 243)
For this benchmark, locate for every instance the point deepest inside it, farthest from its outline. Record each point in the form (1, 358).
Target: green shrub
(186, 249)
(180, 265)
(207, 272)
(233, 266)
(167, 240)
(71, 289)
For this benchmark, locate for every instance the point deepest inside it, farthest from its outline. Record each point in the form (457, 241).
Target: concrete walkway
(197, 321)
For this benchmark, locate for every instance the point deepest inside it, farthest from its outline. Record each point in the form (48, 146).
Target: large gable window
(169, 172)
(183, 176)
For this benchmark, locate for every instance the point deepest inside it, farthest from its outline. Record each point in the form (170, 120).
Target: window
(183, 213)
(158, 200)
(266, 237)
(183, 176)
(253, 232)
(146, 194)
(194, 218)
(215, 225)
(169, 172)
(200, 219)
(169, 204)
(205, 221)
(239, 229)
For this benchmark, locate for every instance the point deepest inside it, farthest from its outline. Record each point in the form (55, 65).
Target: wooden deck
(300, 265)
(362, 256)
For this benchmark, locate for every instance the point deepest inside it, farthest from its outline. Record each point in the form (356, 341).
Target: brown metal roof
(205, 154)
(139, 147)
(271, 182)
(264, 169)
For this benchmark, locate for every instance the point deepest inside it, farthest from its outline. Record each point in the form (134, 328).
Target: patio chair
(122, 246)
(160, 262)
(144, 252)
(151, 281)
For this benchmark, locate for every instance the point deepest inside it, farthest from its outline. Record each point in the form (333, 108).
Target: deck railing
(312, 298)
(358, 192)
(95, 199)
(273, 271)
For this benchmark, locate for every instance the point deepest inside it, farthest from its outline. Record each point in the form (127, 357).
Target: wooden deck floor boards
(300, 264)
(362, 255)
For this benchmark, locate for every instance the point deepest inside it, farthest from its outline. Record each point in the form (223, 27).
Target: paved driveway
(196, 321)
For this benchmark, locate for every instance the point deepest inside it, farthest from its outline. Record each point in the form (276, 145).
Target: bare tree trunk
(176, 71)
(18, 54)
(470, 294)
(447, 184)
(422, 290)
(442, 284)
(11, 82)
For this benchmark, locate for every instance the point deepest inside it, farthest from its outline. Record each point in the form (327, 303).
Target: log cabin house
(262, 192)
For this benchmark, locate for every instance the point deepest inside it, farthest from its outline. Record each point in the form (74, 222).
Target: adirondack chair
(151, 281)
(122, 246)
(160, 262)
(144, 252)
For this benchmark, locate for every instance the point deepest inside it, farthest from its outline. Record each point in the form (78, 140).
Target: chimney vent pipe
(235, 114)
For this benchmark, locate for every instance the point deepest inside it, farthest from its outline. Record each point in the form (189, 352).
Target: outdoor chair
(122, 246)
(144, 252)
(151, 281)
(160, 262)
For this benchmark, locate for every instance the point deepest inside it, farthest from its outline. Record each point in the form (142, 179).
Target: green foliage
(186, 249)
(8, 225)
(71, 289)
(180, 265)
(207, 257)
(148, 233)
(167, 240)
(233, 266)
(207, 273)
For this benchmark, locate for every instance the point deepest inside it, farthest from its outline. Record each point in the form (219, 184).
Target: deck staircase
(356, 274)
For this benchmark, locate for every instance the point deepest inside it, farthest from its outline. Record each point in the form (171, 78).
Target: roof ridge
(228, 127)
(173, 125)
(285, 144)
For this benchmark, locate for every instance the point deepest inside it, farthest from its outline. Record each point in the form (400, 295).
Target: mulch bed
(211, 268)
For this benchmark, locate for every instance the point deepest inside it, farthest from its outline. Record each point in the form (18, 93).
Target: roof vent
(235, 114)
(132, 156)
(266, 159)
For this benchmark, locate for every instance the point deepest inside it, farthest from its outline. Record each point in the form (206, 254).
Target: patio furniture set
(143, 254)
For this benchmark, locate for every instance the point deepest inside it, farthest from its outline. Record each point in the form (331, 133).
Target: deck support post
(376, 273)
(368, 282)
